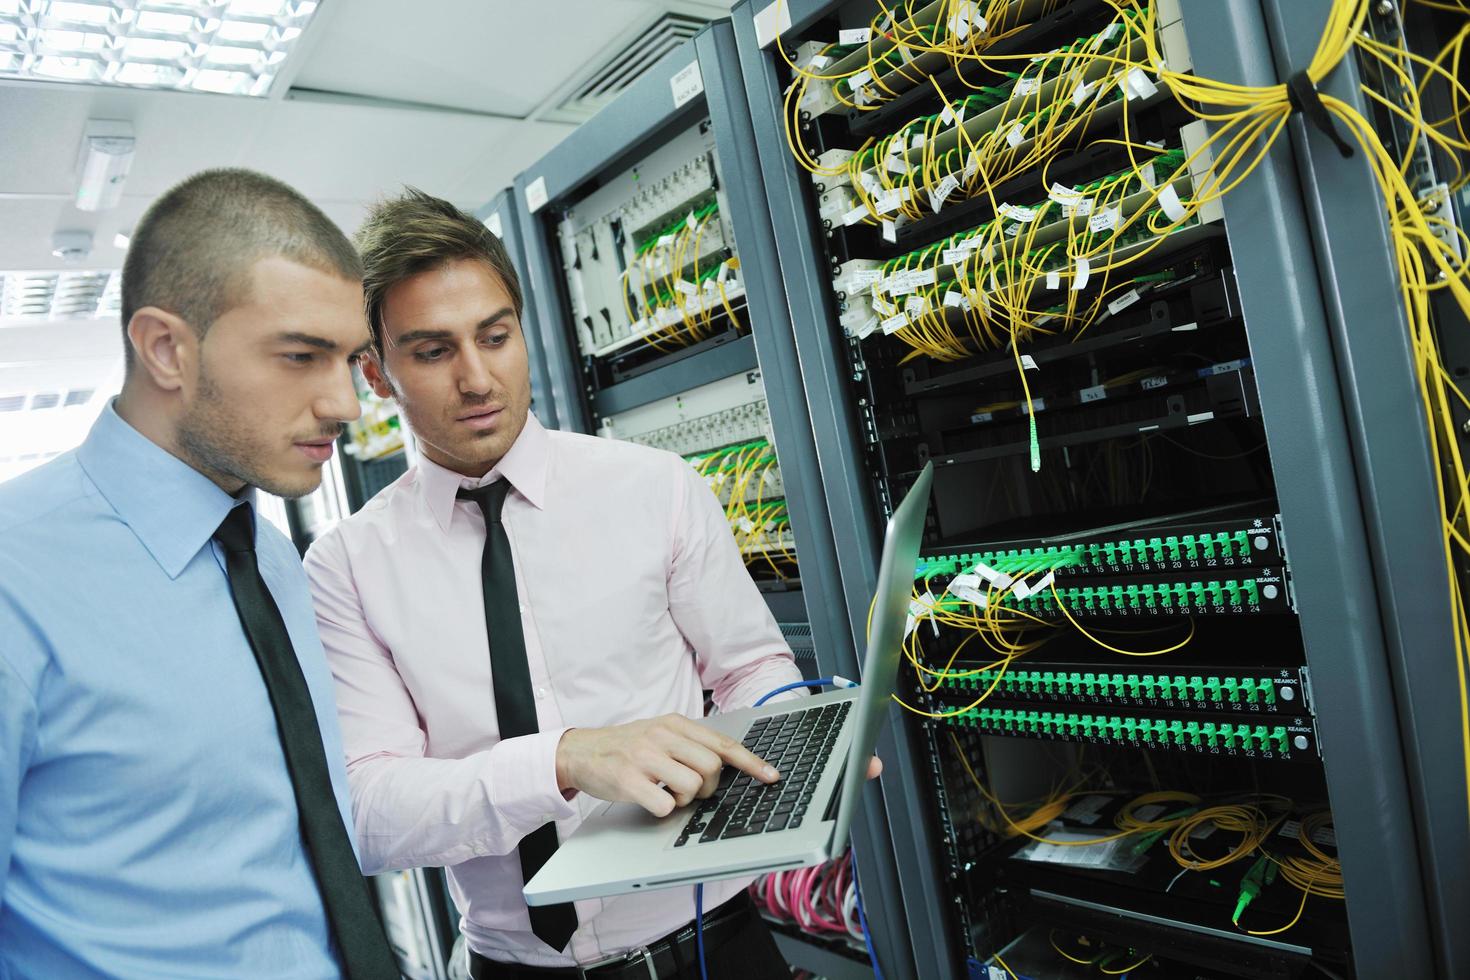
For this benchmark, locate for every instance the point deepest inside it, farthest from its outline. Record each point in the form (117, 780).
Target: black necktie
(351, 912)
(515, 705)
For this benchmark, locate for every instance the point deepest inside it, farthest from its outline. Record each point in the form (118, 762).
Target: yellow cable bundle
(1250, 821)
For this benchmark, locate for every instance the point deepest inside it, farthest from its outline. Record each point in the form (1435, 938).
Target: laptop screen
(901, 544)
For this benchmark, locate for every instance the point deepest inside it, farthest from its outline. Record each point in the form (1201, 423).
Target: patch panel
(1200, 688)
(1249, 592)
(1292, 738)
(905, 69)
(651, 251)
(764, 485)
(1168, 547)
(722, 413)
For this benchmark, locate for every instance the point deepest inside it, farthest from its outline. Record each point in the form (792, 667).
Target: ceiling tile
(500, 56)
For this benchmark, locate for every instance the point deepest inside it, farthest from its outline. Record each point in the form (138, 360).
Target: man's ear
(372, 370)
(164, 346)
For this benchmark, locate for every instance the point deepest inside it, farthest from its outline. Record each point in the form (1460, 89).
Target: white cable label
(1064, 195)
(969, 594)
(857, 35)
(1054, 280)
(890, 231)
(1017, 213)
(1141, 84)
(1105, 220)
(1083, 273)
(1028, 363)
(1094, 394)
(998, 579)
(1083, 92)
(895, 323)
(855, 215)
(1023, 591)
(953, 298)
(972, 166)
(861, 279)
(940, 194)
(859, 79)
(1025, 87)
(1016, 135)
(1169, 201)
(1124, 301)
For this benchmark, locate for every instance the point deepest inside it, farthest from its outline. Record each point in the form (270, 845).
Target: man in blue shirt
(173, 801)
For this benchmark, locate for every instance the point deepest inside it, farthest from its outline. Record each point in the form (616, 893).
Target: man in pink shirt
(614, 595)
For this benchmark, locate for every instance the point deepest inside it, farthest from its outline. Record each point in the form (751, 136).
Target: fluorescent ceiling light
(235, 47)
(29, 297)
(106, 158)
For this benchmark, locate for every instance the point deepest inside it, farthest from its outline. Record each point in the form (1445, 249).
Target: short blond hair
(416, 232)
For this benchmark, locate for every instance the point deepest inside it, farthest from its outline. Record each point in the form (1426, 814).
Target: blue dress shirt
(147, 823)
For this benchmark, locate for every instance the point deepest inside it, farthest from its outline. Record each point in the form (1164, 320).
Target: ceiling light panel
(233, 47)
(29, 297)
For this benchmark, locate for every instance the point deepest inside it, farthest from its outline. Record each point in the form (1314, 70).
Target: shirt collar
(524, 465)
(172, 507)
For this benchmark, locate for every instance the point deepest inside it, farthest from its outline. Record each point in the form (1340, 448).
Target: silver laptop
(820, 744)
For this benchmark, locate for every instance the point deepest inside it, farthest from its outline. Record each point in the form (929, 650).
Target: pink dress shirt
(633, 600)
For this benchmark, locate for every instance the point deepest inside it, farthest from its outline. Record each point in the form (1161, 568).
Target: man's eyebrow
(310, 340)
(495, 318)
(362, 349)
(416, 335)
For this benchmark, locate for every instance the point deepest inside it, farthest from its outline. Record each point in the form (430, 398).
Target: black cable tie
(1302, 94)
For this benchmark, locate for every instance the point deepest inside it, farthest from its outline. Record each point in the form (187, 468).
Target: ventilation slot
(624, 67)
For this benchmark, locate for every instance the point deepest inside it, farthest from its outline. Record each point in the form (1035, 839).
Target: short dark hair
(416, 232)
(192, 251)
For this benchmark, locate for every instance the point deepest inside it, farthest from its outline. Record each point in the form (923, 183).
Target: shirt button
(541, 693)
(522, 609)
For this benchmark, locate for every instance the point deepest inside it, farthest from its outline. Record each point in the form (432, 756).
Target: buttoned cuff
(524, 789)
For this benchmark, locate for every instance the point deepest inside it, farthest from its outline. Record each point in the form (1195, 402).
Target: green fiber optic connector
(1251, 885)
(1279, 739)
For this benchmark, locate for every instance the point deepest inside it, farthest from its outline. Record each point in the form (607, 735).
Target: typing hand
(628, 762)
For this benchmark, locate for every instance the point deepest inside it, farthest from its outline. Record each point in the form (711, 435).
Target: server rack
(1353, 480)
(697, 82)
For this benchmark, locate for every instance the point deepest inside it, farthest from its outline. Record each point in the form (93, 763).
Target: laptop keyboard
(798, 744)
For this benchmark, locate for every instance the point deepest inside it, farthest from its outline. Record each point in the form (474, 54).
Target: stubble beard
(218, 444)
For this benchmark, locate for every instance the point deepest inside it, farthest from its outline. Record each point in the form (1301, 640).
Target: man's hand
(628, 762)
